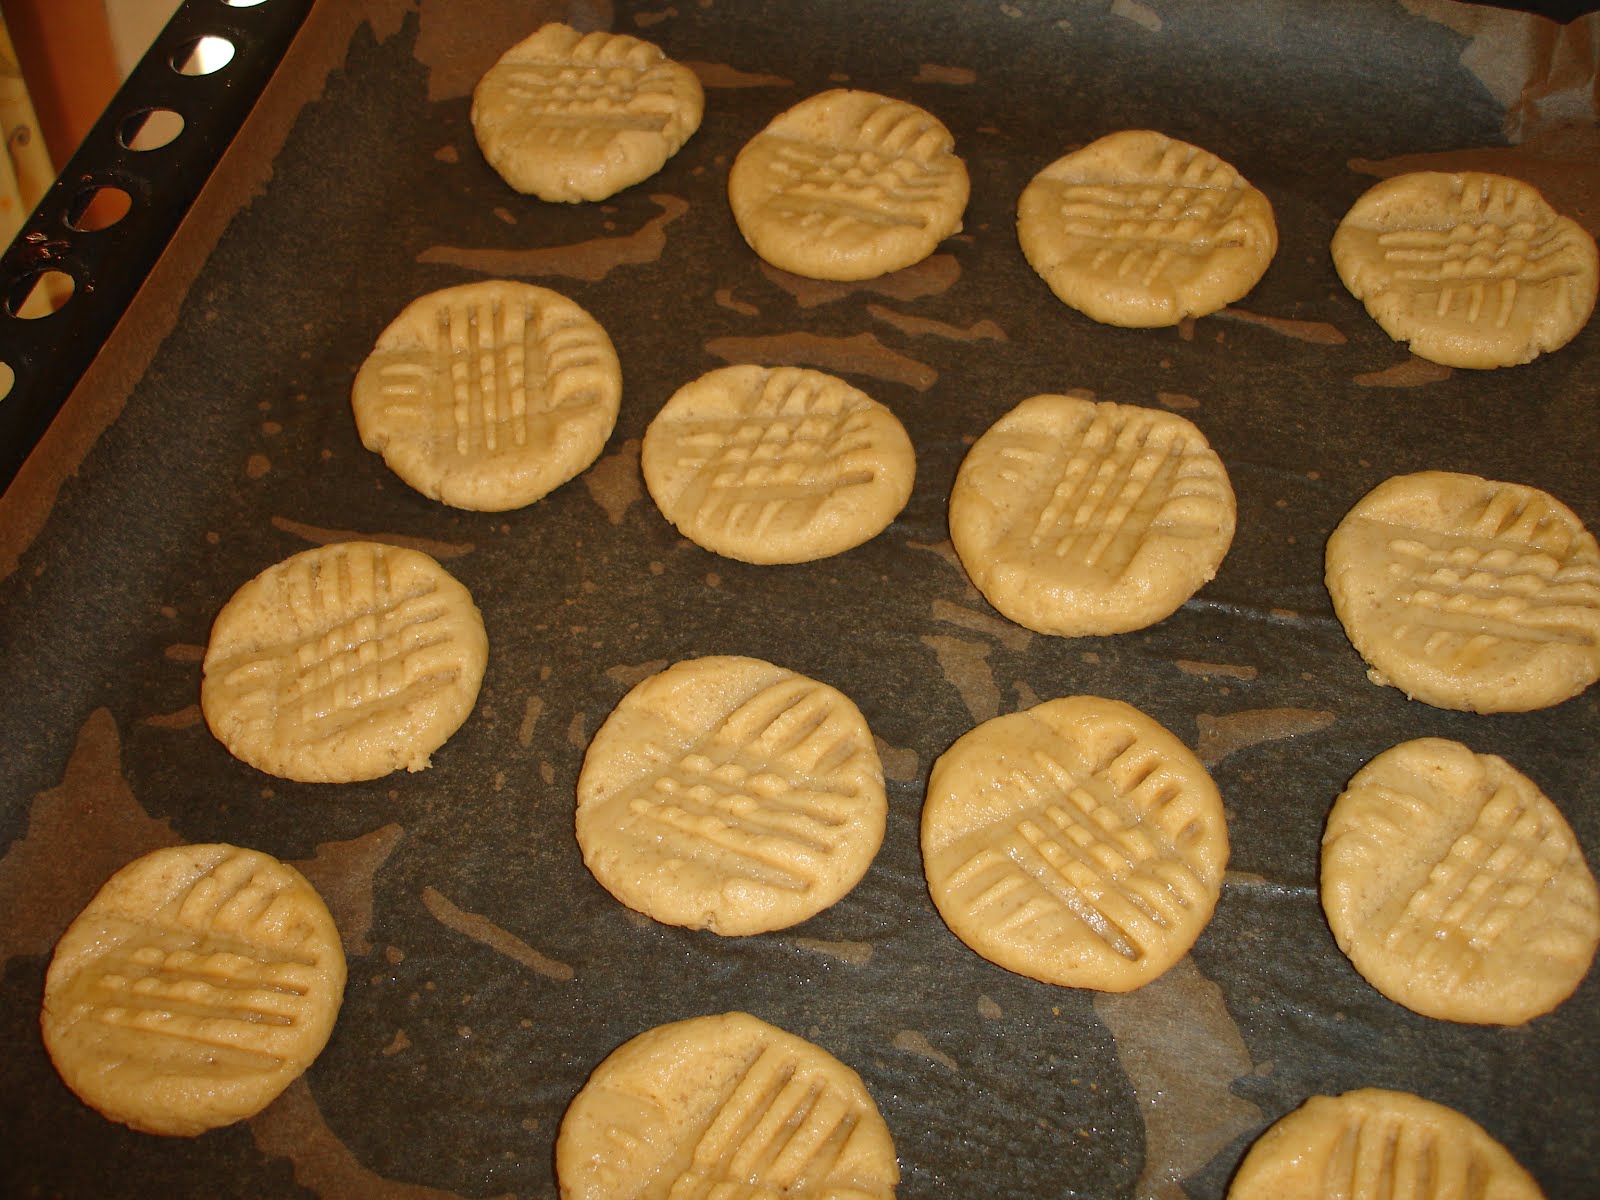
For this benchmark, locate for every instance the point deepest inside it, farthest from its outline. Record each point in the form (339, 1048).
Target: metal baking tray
(211, 436)
(99, 229)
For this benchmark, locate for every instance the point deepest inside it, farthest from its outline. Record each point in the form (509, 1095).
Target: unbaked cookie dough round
(1078, 843)
(720, 1106)
(1469, 269)
(197, 984)
(729, 794)
(489, 395)
(1373, 1144)
(1077, 517)
(1139, 229)
(1466, 593)
(777, 464)
(1456, 887)
(569, 116)
(848, 185)
(342, 663)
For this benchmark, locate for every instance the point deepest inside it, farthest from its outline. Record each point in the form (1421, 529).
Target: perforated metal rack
(109, 215)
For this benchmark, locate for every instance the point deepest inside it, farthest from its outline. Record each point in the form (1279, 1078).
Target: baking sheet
(488, 972)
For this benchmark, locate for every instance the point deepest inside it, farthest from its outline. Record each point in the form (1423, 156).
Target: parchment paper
(489, 972)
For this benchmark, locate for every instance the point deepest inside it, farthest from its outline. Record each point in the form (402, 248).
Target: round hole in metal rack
(202, 56)
(98, 207)
(150, 128)
(39, 293)
(8, 379)
(243, 3)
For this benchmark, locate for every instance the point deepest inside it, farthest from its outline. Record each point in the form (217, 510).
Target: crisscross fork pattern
(226, 968)
(779, 1130)
(571, 106)
(1387, 1158)
(1507, 860)
(774, 465)
(1187, 205)
(366, 648)
(757, 787)
(1505, 579)
(496, 378)
(1113, 486)
(892, 173)
(1087, 851)
(1477, 268)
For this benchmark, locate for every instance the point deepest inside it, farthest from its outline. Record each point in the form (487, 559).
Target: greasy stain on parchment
(1413, 372)
(1180, 1050)
(900, 764)
(91, 826)
(1317, 333)
(590, 261)
(1225, 735)
(1012, 636)
(1139, 14)
(78, 835)
(480, 929)
(984, 330)
(614, 481)
(186, 717)
(457, 48)
(862, 354)
(342, 873)
(532, 709)
(945, 550)
(630, 675)
(1208, 669)
(726, 299)
(1026, 697)
(721, 75)
(317, 535)
(917, 1043)
(857, 954)
(932, 276)
(293, 1127)
(935, 73)
(966, 665)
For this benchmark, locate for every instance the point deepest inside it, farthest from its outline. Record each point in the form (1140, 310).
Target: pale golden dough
(777, 464)
(1467, 593)
(197, 984)
(1469, 269)
(848, 185)
(489, 395)
(342, 663)
(1373, 1144)
(1139, 229)
(1077, 517)
(729, 794)
(1456, 887)
(569, 116)
(1078, 843)
(721, 1106)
